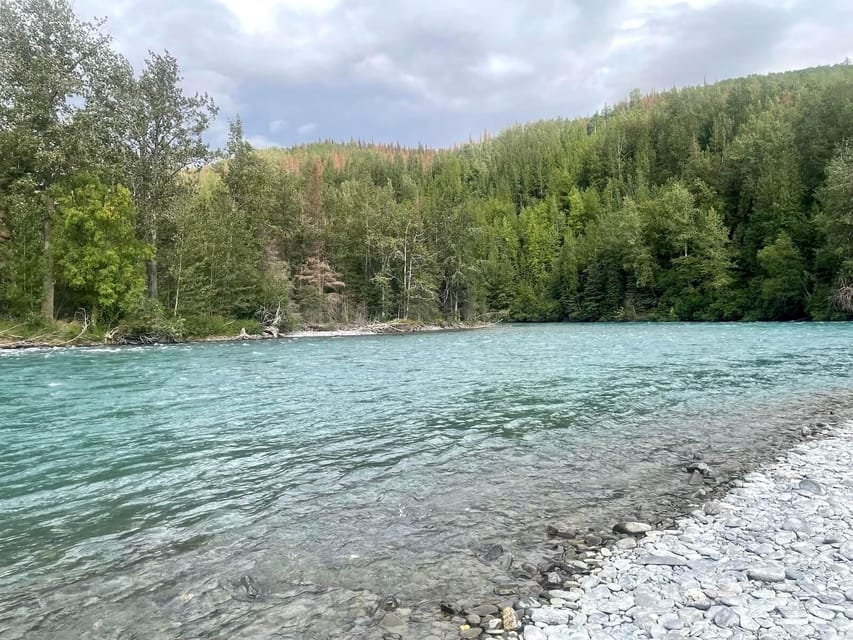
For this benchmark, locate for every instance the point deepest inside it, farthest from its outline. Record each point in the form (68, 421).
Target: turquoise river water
(281, 489)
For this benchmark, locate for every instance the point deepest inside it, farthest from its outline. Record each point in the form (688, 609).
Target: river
(282, 489)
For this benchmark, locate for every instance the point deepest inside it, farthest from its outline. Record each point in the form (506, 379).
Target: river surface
(282, 489)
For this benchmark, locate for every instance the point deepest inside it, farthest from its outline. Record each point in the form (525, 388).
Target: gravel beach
(769, 560)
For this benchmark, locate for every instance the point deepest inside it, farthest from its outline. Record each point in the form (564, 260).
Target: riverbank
(766, 556)
(371, 329)
(70, 335)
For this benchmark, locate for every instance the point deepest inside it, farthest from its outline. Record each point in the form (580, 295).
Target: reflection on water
(282, 489)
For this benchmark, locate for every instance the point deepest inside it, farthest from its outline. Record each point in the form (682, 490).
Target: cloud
(261, 141)
(305, 129)
(439, 72)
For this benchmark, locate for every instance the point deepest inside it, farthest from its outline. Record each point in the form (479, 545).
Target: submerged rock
(489, 552)
(696, 478)
(485, 610)
(701, 467)
(394, 623)
(553, 579)
(632, 528)
(451, 608)
(246, 589)
(558, 530)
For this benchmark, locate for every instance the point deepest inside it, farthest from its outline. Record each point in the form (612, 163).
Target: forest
(728, 201)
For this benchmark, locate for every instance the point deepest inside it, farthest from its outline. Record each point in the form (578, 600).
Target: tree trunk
(151, 273)
(48, 283)
(151, 265)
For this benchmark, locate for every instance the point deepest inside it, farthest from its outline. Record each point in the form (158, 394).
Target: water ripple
(139, 486)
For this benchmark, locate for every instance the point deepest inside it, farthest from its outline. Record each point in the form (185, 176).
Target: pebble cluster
(770, 560)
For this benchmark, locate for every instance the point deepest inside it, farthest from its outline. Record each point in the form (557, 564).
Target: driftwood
(45, 339)
(115, 337)
(271, 323)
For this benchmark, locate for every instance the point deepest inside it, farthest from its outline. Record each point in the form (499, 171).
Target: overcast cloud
(440, 71)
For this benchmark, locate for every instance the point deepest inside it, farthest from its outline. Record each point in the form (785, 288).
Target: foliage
(163, 139)
(213, 326)
(97, 254)
(56, 76)
(722, 202)
(148, 322)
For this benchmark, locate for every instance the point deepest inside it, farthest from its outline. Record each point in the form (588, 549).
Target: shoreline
(548, 603)
(349, 331)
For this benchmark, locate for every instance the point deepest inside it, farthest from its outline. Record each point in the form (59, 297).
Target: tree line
(730, 201)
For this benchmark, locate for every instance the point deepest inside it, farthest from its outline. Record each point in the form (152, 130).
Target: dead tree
(317, 274)
(844, 296)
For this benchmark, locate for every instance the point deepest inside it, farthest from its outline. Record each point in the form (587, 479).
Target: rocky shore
(371, 329)
(386, 328)
(770, 559)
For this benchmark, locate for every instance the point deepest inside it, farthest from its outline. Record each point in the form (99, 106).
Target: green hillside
(723, 202)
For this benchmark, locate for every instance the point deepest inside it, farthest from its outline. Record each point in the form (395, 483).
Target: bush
(205, 326)
(147, 322)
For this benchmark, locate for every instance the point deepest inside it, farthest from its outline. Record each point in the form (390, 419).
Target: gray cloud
(442, 71)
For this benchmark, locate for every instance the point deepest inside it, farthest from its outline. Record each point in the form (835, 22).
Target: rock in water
(701, 467)
(393, 623)
(696, 478)
(806, 431)
(766, 573)
(250, 590)
(632, 528)
(492, 625)
(485, 610)
(558, 530)
(489, 552)
(510, 619)
(450, 608)
(553, 579)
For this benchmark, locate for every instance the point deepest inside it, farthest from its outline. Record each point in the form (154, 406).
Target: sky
(439, 72)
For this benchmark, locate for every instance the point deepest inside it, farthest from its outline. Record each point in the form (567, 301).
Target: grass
(57, 333)
(36, 331)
